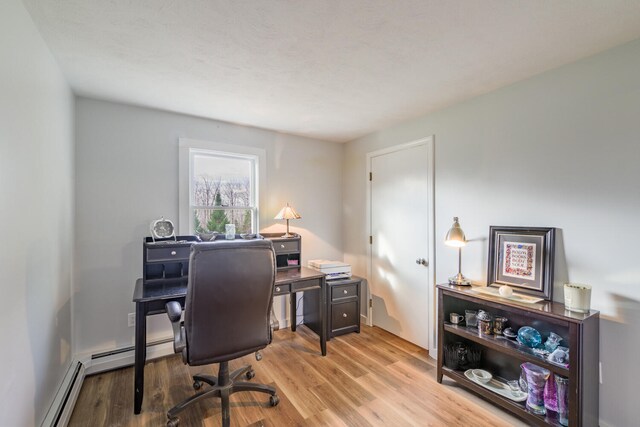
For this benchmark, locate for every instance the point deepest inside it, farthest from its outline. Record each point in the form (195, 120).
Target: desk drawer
(286, 246)
(305, 284)
(282, 289)
(344, 315)
(340, 292)
(168, 254)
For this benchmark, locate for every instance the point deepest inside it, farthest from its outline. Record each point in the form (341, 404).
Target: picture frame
(523, 258)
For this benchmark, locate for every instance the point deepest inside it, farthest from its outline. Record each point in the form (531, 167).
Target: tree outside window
(223, 191)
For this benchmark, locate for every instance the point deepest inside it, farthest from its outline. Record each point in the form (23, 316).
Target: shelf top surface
(188, 240)
(177, 288)
(297, 274)
(553, 308)
(280, 237)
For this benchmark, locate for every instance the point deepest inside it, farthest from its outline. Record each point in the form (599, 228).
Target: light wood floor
(369, 379)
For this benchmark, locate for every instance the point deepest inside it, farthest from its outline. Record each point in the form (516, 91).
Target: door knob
(422, 261)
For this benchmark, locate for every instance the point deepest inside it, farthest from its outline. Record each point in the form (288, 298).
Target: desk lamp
(287, 213)
(455, 237)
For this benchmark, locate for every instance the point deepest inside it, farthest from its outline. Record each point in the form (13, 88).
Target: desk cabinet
(503, 357)
(288, 250)
(343, 307)
(166, 259)
(169, 259)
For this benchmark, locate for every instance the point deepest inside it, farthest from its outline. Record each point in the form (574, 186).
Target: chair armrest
(174, 312)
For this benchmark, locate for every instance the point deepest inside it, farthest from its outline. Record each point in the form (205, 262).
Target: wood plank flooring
(369, 379)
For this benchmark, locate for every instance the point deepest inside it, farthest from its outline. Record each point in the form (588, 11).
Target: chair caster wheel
(250, 374)
(274, 400)
(197, 385)
(173, 422)
(258, 356)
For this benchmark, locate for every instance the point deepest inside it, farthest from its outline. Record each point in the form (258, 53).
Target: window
(221, 187)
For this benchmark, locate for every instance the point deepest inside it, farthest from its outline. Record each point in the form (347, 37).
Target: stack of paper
(333, 269)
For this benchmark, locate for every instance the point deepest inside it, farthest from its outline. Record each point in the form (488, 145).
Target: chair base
(222, 387)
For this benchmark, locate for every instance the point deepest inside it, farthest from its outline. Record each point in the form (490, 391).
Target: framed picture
(522, 257)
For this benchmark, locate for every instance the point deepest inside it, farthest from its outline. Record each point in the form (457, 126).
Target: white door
(400, 220)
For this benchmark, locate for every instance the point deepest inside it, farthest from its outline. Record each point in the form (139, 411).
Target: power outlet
(131, 319)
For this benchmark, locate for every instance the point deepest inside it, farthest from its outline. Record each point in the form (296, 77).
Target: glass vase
(562, 393)
(536, 379)
(529, 336)
(230, 231)
(553, 341)
(550, 398)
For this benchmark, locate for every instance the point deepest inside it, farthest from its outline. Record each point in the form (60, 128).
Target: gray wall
(36, 213)
(561, 149)
(127, 175)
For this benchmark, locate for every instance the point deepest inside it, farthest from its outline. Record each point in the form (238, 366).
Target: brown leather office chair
(227, 308)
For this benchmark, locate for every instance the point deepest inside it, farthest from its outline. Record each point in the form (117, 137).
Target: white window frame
(188, 147)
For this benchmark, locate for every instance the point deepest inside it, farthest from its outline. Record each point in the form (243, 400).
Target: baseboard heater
(127, 349)
(61, 409)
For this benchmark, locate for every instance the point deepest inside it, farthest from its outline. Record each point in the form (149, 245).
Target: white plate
(498, 387)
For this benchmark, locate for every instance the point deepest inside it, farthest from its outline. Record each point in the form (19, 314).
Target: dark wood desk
(151, 298)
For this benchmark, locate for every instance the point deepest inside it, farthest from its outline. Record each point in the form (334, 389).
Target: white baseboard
(61, 408)
(120, 359)
(364, 319)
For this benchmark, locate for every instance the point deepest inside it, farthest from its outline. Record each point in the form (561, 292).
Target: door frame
(429, 141)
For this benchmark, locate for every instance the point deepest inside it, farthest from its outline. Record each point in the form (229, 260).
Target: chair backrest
(229, 297)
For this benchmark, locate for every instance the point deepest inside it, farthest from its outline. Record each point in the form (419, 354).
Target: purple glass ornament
(536, 379)
(550, 399)
(562, 385)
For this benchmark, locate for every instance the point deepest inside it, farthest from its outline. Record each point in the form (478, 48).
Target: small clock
(162, 229)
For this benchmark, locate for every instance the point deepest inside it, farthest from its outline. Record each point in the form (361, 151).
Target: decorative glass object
(484, 325)
(562, 394)
(523, 381)
(230, 231)
(450, 357)
(471, 318)
(509, 333)
(514, 385)
(473, 357)
(536, 378)
(550, 399)
(485, 321)
(498, 325)
(560, 355)
(552, 342)
(461, 353)
(455, 355)
(529, 336)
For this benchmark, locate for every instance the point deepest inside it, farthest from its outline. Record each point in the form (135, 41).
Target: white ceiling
(329, 69)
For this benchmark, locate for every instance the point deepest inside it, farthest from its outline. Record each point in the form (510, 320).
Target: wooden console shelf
(502, 357)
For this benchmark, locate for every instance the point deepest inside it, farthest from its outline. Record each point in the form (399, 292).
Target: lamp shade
(287, 213)
(455, 236)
